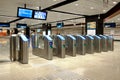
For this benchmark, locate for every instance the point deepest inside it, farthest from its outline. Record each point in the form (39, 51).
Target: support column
(98, 26)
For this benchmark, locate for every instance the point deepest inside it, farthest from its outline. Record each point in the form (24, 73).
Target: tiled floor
(97, 66)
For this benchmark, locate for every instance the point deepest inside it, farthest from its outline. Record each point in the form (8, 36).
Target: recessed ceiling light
(37, 7)
(104, 10)
(71, 20)
(118, 18)
(114, 2)
(91, 7)
(76, 4)
(112, 21)
(54, 0)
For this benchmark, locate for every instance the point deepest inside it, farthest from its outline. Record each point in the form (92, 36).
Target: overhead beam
(113, 15)
(8, 16)
(66, 12)
(15, 20)
(59, 4)
(57, 21)
(112, 12)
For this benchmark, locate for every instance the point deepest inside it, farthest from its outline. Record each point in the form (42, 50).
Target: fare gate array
(60, 46)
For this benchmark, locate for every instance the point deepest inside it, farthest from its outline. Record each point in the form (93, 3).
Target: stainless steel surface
(80, 45)
(71, 45)
(110, 43)
(48, 48)
(45, 48)
(4, 49)
(104, 43)
(97, 44)
(13, 47)
(60, 47)
(89, 44)
(35, 40)
(23, 53)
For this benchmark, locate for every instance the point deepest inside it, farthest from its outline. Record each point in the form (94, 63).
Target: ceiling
(115, 19)
(8, 10)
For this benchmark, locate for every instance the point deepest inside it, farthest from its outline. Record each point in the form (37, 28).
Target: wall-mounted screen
(37, 14)
(110, 25)
(38, 30)
(60, 25)
(4, 24)
(19, 25)
(24, 12)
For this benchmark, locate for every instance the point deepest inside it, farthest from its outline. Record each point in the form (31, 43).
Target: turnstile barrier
(47, 50)
(70, 45)
(89, 44)
(97, 44)
(60, 46)
(104, 43)
(35, 39)
(80, 45)
(48, 47)
(110, 43)
(13, 47)
(23, 53)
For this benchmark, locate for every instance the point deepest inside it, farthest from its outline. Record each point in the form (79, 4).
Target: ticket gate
(19, 48)
(110, 43)
(59, 49)
(104, 43)
(35, 40)
(70, 45)
(97, 44)
(23, 50)
(48, 46)
(47, 51)
(13, 47)
(89, 44)
(80, 45)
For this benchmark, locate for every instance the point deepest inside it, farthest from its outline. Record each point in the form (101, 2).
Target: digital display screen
(40, 15)
(110, 25)
(21, 25)
(38, 30)
(60, 25)
(4, 25)
(24, 13)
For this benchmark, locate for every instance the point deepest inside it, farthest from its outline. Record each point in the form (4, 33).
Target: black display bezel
(24, 8)
(40, 11)
(21, 24)
(5, 24)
